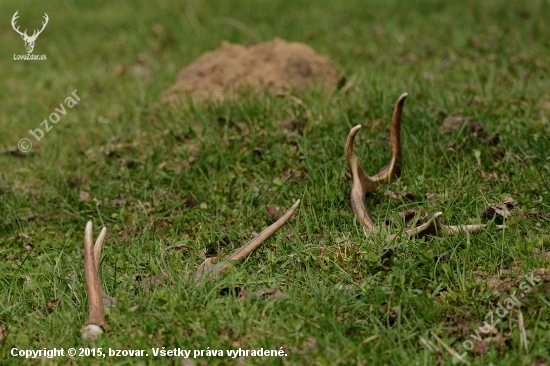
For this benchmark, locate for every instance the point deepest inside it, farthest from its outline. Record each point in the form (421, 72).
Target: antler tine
(392, 171)
(453, 229)
(208, 269)
(96, 321)
(428, 228)
(434, 228)
(361, 184)
(98, 246)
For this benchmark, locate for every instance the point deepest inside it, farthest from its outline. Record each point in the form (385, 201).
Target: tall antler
(92, 255)
(363, 184)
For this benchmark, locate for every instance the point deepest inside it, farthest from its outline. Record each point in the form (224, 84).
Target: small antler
(92, 256)
(207, 268)
(13, 19)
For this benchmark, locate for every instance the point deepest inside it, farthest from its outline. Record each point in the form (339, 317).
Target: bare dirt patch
(275, 66)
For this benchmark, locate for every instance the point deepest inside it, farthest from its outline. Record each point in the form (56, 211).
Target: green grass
(489, 60)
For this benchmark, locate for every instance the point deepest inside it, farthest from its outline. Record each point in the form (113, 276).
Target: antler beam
(92, 255)
(362, 184)
(208, 269)
(435, 228)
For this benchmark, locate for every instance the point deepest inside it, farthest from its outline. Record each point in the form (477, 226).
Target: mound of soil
(273, 66)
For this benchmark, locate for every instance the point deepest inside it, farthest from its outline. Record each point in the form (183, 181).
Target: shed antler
(207, 268)
(92, 255)
(362, 184)
(433, 227)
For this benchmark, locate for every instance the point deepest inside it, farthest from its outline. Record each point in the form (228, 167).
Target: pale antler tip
(103, 232)
(88, 233)
(351, 136)
(98, 246)
(401, 100)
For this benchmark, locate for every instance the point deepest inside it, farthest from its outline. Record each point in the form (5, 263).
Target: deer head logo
(29, 40)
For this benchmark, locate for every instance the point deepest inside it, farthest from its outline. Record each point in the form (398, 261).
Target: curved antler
(362, 183)
(392, 171)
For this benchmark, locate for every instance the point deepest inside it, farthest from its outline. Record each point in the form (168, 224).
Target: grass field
(158, 177)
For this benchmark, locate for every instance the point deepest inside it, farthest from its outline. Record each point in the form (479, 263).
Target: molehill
(273, 67)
